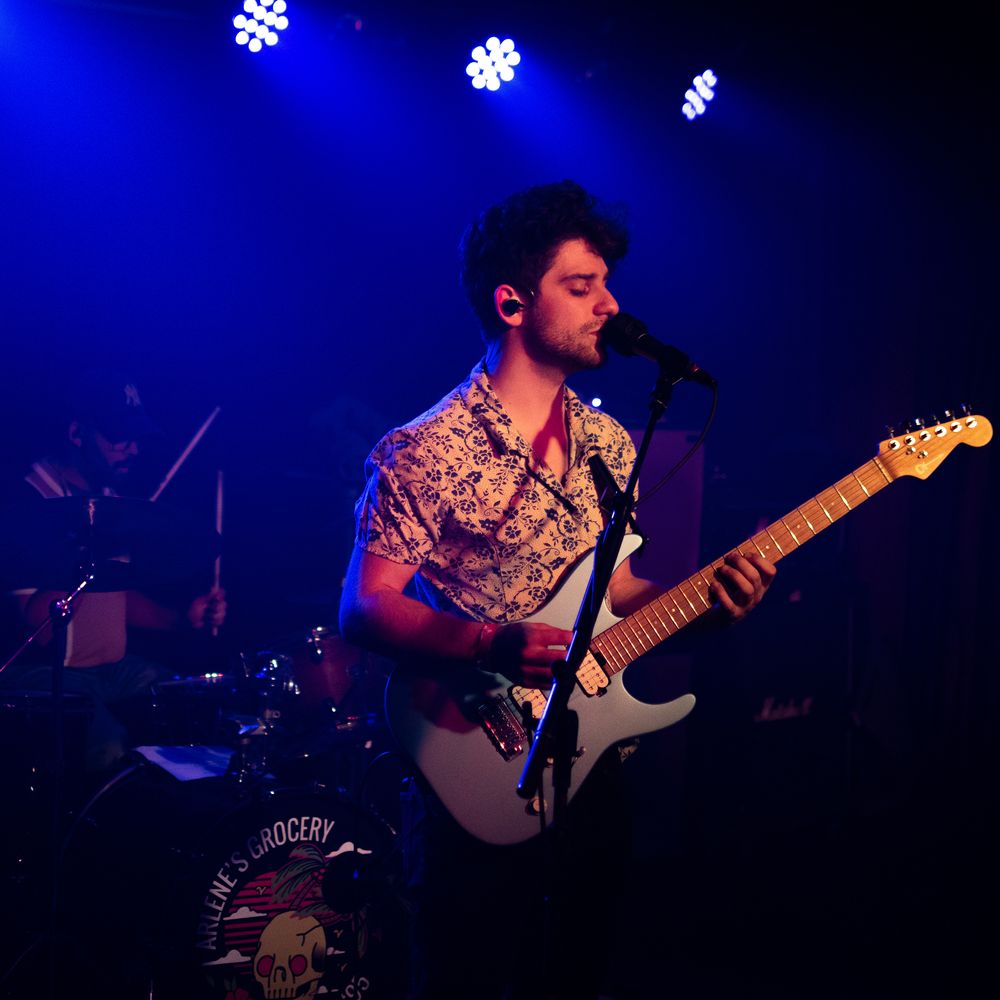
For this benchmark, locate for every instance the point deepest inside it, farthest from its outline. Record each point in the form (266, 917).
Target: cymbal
(131, 542)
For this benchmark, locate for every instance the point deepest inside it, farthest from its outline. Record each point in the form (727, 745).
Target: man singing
(484, 502)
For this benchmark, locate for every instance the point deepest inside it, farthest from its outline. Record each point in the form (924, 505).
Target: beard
(100, 473)
(576, 349)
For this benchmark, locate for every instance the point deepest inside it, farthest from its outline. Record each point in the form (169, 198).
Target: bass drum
(28, 773)
(203, 889)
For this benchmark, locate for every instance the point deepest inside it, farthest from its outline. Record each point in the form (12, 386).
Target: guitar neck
(640, 632)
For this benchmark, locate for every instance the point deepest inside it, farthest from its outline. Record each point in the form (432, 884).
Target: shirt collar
(480, 398)
(483, 403)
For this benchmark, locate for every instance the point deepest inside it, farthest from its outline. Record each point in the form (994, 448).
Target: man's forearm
(396, 625)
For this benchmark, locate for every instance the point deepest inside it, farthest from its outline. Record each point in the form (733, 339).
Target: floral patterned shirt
(459, 493)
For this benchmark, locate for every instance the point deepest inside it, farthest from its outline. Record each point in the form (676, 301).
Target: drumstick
(218, 528)
(184, 454)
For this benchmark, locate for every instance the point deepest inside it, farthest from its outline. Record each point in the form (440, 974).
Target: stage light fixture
(260, 23)
(596, 401)
(699, 94)
(493, 63)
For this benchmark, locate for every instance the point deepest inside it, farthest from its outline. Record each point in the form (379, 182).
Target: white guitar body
(463, 727)
(436, 720)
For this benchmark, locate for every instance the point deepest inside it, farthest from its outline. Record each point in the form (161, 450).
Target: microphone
(629, 336)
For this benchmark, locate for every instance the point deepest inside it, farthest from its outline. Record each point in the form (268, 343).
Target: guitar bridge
(503, 725)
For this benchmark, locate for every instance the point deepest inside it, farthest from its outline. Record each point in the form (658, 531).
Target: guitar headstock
(921, 448)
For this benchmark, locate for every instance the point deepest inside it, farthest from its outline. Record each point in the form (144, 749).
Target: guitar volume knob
(535, 806)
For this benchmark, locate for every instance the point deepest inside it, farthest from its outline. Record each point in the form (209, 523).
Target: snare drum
(204, 889)
(194, 709)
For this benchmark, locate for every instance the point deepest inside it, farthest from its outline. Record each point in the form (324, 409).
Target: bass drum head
(204, 891)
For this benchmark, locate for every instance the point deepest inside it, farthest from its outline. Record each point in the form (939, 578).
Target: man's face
(571, 304)
(109, 460)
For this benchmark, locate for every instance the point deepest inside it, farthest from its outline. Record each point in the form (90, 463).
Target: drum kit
(240, 849)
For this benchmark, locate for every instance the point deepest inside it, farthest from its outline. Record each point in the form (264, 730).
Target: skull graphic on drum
(290, 957)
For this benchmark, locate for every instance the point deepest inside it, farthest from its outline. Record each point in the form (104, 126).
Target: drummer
(107, 428)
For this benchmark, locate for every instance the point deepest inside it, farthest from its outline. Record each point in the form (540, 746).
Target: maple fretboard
(627, 640)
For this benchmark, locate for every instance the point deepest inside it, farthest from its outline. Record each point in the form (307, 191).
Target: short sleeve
(400, 513)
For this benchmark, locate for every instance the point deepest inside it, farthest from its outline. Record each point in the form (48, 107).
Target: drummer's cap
(109, 401)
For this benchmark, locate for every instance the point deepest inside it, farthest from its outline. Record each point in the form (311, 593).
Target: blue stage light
(493, 63)
(260, 23)
(699, 94)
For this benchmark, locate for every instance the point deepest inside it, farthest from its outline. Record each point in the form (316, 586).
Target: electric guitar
(468, 730)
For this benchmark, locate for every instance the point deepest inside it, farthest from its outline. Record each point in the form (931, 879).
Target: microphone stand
(555, 737)
(60, 613)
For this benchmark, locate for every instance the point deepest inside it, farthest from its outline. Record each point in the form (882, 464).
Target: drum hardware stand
(59, 617)
(249, 761)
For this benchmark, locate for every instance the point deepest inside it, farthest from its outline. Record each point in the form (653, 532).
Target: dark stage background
(277, 234)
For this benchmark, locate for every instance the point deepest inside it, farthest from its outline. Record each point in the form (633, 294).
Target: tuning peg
(890, 431)
(964, 409)
(948, 415)
(932, 419)
(917, 423)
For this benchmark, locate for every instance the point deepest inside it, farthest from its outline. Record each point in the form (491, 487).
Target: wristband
(484, 643)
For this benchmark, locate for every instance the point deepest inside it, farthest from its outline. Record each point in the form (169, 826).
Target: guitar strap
(608, 492)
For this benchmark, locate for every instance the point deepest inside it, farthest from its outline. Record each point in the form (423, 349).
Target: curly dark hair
(515, 242)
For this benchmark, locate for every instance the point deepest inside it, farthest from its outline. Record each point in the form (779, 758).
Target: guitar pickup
(503, 725)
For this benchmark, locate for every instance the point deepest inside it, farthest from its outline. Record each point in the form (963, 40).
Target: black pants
(479, 920)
